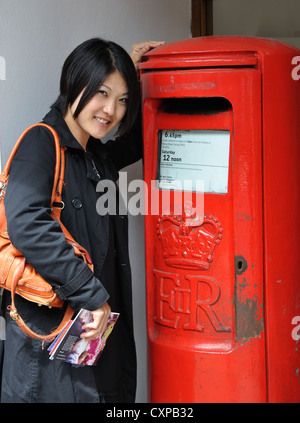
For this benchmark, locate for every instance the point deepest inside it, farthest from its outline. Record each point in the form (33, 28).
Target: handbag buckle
(2, 189)
(14, 315)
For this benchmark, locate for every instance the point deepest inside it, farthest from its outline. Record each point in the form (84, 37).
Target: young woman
(98, 92)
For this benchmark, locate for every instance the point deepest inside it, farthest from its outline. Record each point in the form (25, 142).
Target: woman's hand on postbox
(139, 49)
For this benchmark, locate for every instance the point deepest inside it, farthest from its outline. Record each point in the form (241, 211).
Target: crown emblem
(189, 240)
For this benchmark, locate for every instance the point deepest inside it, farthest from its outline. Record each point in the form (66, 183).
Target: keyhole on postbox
(240, 265)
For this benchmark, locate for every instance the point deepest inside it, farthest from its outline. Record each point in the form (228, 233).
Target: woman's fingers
(99, 323)
(139, 49)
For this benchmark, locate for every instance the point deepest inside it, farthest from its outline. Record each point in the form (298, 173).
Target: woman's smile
(102, 121)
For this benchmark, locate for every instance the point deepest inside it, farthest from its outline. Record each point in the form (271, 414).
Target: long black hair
(87, 67)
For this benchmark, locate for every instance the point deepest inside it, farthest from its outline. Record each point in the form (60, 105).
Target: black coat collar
(55, 119)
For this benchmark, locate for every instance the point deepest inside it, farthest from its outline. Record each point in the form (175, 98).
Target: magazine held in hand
(71, 348)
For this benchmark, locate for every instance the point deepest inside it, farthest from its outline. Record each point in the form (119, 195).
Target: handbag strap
(5, 173)
(56, 202)
(56, 207)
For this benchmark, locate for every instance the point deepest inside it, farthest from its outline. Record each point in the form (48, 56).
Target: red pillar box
(222, 148)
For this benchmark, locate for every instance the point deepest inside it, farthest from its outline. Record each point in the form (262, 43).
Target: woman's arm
(33, 231)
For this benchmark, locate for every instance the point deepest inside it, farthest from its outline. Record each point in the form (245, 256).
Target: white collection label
(194, 160)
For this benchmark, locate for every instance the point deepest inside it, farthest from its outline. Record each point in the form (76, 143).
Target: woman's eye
(103, 92)
(124, 101)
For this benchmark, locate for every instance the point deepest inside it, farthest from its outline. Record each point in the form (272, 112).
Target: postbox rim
(225, 49)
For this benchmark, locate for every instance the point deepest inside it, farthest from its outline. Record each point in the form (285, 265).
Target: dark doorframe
(202, 18)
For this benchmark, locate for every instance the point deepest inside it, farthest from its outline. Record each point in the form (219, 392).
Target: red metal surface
(222, 291)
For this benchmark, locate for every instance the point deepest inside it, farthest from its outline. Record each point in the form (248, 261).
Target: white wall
(35, 38)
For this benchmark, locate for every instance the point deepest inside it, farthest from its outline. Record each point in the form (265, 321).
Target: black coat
(39, 238)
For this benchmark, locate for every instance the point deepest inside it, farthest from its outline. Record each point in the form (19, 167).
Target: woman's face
(102, 113)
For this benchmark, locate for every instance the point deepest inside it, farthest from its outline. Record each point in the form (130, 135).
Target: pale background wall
(35, 38)
(279, 19)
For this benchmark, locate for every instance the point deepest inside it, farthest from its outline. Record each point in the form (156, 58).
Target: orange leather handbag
(16, 274)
